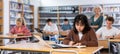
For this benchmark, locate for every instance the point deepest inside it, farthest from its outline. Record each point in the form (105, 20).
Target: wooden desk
(103, 43)
(64, 33)
(38, 47)
(39, 34)
(12, 37)
(114, 40)
(61, 39)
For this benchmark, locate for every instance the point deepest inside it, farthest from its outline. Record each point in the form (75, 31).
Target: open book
(55, 45)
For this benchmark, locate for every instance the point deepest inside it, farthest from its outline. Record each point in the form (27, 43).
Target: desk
(61, 39)
(103, 43)
(12, 37)
(114, 40)
(37, 47)
(64, 33)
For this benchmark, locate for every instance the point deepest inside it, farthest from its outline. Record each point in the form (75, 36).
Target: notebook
(54, 46)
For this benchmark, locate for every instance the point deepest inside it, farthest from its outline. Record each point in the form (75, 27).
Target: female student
(82, 33)
(20, 28)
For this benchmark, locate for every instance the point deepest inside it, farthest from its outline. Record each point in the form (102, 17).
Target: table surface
(114, 40)
(12, 36)
(39, 47)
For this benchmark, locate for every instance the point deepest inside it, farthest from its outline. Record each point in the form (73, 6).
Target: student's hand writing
(77, 44)
(71, 43)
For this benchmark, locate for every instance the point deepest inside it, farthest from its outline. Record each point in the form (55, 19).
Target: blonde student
(20, 29)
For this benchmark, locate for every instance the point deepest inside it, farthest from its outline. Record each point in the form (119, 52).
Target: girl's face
(18, 23)
(79, 27)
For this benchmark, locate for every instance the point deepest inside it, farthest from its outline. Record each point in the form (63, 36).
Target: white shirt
(80, 35)
(103, 31)
(51, 28)
(95, 19)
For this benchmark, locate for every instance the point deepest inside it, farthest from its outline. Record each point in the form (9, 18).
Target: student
(51, 29)
(66, 26)
(20, 29)
(108, 32)
(97, 19)
(82, 33)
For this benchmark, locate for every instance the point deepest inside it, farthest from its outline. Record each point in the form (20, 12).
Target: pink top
(24, 30)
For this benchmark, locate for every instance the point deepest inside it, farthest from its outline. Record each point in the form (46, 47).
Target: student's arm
(12, 31)
(45, 30)
(117, 36)
(92, 24)
(92, 39)
(55, 30)
(99, 32)
(68, 39)
(100, 22)
(26, 31)
(98, 36)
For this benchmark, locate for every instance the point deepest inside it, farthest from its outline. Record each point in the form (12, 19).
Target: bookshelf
(22, 9)
(61, 12)
(47, 12)
(113, 10)
(29, 16)
(1, 20)
(1, 16)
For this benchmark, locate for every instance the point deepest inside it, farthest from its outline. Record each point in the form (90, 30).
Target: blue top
(66, 27)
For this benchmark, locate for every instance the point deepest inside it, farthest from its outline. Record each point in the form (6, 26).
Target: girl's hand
(71, 43)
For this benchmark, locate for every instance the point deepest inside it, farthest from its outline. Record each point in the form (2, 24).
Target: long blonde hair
(21, 20)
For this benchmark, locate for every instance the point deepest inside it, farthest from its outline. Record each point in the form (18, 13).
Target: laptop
(54, 46)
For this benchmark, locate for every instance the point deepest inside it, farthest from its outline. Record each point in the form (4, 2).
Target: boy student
(52, 30)
(108, 32)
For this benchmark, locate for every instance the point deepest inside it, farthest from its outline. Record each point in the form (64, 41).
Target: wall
(36, 5)
(75, 2)
(6, 18)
